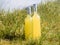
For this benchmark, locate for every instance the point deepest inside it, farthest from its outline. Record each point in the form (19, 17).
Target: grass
(50, 23)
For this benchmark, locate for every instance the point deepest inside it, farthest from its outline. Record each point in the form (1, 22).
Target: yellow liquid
(32, 27)
(28, 27)
(36, 26)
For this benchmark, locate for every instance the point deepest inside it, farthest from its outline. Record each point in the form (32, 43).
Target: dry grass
(50, 22)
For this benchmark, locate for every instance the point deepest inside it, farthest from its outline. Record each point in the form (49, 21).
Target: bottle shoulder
(36, 15)
(28, 17)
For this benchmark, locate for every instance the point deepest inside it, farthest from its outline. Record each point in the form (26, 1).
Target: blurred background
(11, 4)
(13, 14)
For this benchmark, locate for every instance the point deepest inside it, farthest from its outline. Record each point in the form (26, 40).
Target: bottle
(28, 25)
(36, 24)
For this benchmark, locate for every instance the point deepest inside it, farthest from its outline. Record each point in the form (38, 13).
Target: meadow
(12, 26)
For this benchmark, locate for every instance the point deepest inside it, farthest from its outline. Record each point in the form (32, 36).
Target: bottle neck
(29, 10)
(35, 7)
